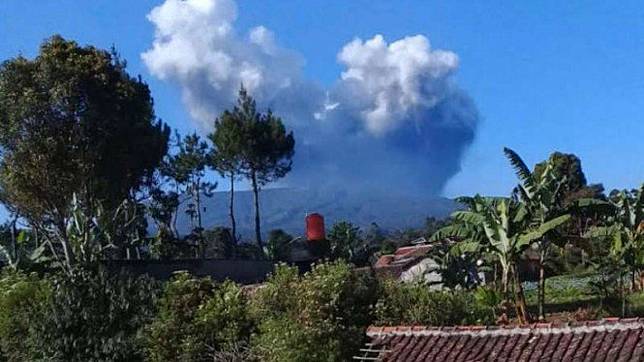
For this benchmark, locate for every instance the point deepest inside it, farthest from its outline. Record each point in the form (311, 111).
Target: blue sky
(544, 75)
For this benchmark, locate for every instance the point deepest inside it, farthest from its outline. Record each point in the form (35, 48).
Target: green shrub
(174, 323)
(199, 321)
(416, 304)
(320, 316)
(94, 316)
(221, 324)
(22, 298)
(278, 246)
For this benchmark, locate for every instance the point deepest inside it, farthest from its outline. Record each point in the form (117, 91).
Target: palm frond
(465, 246)
(542, 230)
(469, 217)
(520, 168)
(602, 232)
(639, 206)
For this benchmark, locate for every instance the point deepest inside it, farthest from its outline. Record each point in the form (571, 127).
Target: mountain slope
(287, 208)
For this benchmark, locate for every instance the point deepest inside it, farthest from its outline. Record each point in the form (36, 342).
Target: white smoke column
(393, 80)
(393, 120)
(196, 47)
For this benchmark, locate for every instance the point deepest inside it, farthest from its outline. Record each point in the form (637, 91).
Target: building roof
(403, 258)
(610, 339)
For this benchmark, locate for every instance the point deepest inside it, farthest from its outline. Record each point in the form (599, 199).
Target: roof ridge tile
(541, 327)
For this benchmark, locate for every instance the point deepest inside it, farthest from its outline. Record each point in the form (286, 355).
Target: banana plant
(503, 227)
(625, 229)
(91, 231)
(542, 197)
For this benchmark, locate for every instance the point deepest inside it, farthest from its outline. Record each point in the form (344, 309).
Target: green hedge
(22, 301)
(86, 316)
(318, 316)
(197, 320)
(417, 304)
(94, 316)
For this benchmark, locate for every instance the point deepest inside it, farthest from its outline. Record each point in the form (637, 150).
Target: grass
(563, 289)
(571, 296)
(636, 303)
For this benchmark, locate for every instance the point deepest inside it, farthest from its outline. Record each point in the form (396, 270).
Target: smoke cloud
(394, 119)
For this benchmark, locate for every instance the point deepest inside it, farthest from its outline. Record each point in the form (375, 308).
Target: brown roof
(404, 258)
(610, 339)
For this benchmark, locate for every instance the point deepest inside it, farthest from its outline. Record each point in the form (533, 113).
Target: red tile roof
(404, 258)
(610, 339)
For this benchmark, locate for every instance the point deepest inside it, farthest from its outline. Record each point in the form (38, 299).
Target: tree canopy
(258, 143)
(73, 121)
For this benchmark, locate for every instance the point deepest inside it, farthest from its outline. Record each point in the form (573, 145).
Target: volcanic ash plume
(394, 119)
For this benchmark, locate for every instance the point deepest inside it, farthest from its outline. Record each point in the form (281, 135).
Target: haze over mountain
(286, 208)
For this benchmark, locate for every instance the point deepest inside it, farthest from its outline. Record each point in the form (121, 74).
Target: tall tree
(227, 140)
(567, 167)
(74, 122)
(187, 168)
(267, 150)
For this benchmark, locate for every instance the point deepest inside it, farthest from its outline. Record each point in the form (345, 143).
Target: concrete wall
(240, 271)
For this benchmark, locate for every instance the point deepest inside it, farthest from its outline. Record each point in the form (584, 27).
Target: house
(411, 263)
(610, 339)
(404, 262)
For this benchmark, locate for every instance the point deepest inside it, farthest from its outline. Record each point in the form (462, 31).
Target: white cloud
(196, 46)
(393, 80)
(393, 115)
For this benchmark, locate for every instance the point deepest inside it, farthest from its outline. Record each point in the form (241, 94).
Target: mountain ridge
(286, 208)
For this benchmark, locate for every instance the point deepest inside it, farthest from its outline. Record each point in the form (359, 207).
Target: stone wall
(240, 271)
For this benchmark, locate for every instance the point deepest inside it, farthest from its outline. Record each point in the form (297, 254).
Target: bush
(22, 299)
(220, 243)
(320, 316)
(278, 247)
(199, 321)
(174, 322)
(221, 325)
(94, 316)
(417, 304)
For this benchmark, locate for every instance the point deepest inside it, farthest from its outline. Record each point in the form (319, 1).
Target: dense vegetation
(85, 164)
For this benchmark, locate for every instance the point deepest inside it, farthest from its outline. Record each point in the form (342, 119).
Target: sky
(542, 76)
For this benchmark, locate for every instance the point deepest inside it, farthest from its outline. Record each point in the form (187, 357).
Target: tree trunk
(201, 242)
(198, 203)
(520, 303)
(231, 209)
(505, 281)
(542, 284)
(258, 233)
(14, 241)
(175, 215)
(623, 295)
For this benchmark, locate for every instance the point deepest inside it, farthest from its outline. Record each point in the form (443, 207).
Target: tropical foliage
(320, 316)
(85, 165)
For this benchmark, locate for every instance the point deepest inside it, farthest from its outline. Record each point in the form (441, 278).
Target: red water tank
(314, 227)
